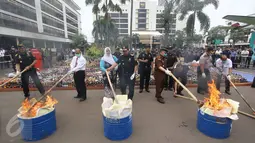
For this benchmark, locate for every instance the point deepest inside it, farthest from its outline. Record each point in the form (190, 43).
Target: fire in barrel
(216, 115)
(39, 121)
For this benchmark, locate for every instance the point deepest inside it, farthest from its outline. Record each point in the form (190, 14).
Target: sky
(226, 7)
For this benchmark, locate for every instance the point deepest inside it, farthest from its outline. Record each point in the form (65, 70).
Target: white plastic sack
(234, 104)
(120, 108)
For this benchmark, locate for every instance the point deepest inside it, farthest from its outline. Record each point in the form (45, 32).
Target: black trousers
(227, 83)
(202, 82)
(248, 62)
(124, 82)
(79, 80)
(1, 62)
(25, 82)
(183, 80)
(233, 59)
(145, 76)
(169, 82)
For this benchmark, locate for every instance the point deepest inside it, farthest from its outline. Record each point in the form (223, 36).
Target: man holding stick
(160, 74)
(203, 72)
(25, 61)
(224, 65)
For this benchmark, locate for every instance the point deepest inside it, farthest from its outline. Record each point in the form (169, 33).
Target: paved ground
(152, 122)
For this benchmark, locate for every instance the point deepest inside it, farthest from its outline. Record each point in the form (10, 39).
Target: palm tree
(194, 8)
(106, 30)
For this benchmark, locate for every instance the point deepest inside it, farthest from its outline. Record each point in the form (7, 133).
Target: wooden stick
(240, 112)
(184, 87)
(109, 81)
(10, 80)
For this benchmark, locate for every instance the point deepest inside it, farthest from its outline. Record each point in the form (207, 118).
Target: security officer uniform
(206, 60)
(145, 70)
(126, 68)
(159, 75)
(25, 59)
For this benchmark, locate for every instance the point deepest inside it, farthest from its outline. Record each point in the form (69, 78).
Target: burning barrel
(37, 118)
(212, 126)
(37, 128)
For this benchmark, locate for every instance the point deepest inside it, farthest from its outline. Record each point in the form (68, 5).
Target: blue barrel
(214, 127)
(118, 129)
(35, 129)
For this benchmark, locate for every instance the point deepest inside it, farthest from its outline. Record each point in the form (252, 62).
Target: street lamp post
(131, 23)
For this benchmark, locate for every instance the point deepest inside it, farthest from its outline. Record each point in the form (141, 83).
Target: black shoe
(161, 100)
(77, 96)
(140, 91)
(179, 93)
(171, 89)
(227, 92)
(147, 90)
(82, 99)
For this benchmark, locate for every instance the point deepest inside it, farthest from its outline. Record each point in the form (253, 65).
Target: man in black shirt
(127, 72)
(145, 64)
(117, 53)
(25, 61)
(248, 59)
(171, 60)
(13, 53)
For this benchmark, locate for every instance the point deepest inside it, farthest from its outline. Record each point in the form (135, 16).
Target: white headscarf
(108, 58)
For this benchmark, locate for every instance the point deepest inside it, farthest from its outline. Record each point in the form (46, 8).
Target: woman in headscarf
(107, 61)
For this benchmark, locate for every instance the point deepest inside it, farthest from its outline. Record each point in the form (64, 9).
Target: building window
(123, 21)
(17, 23)
(70, 36)
(141, 26)
(123, 25)
(159, 20)
(124, 15)
(71, 14)
(50, 10)
(142, 20)
(159, 26)
(52, 21)
(141, 14)
(56, 3)
(159, 15)
(30, 2)
(142, 10)
(69, 29)
(53, 32)
(68, 20)
(123, 30)
(18, 8)
(142, 4)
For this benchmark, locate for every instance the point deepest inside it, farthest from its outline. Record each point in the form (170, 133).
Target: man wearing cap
(224, 65)
(127, 66)
(25, 61)
(160, 74)
(203, 72)
(145, 64)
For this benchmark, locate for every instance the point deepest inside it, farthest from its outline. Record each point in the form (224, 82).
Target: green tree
(194, 9)
(94, 52)
(218, 32)
(78, 41)
(168, 18)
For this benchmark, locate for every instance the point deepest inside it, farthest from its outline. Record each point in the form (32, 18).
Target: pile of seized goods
(37, 108)
(219, 107)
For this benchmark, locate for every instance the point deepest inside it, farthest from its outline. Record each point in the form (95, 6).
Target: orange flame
(214, 101)
(26, 105)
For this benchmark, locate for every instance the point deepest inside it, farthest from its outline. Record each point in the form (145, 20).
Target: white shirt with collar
(245, 53)
(81, 64)
(224, 66)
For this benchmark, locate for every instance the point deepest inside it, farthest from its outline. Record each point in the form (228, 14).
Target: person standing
(248, 59)
(107, 61)
(2, 52)
(145, 64)
(233, 57)
(170, 61)
(13, 52)
(224, 65)
(244, 56)
(203, 72)
(25, 61)
(127, 66)
(160, 74)
(77, 67)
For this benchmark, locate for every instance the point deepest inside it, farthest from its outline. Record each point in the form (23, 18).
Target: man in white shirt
(78, 66)
(244, 56)
(224, 65)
